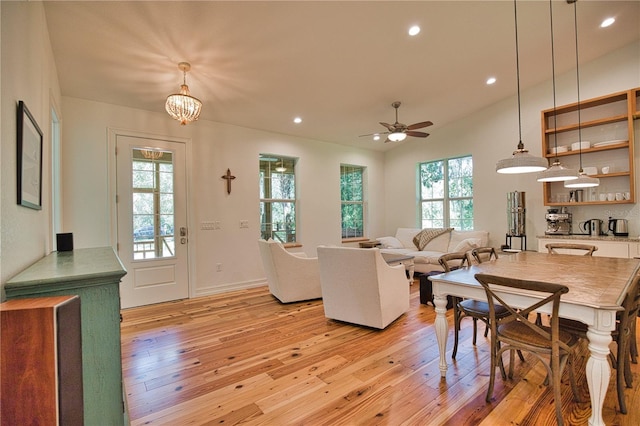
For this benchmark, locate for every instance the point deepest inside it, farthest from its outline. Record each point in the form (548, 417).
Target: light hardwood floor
(243, 357)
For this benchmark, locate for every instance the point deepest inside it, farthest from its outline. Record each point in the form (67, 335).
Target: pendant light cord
(575, 22)
(553, 74)
(515, 13)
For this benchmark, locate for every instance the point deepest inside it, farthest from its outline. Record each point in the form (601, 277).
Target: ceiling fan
(398, 132)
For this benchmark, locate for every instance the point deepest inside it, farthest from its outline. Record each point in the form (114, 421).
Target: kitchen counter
(608, 245)
(629, 239)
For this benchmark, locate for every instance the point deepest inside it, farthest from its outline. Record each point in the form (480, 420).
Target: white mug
(627, 195)
(605, 170)
(619, 196)
(611, 196)
(603, 197)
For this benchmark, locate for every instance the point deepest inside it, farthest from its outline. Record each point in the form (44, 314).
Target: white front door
(152, 220)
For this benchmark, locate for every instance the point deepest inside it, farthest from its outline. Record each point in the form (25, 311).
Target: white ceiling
(337, 64)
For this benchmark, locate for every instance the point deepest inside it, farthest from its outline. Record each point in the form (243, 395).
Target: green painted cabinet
(93, 274)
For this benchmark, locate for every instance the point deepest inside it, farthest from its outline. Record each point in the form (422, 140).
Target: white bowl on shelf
(562, 148)
(590, 171)
(576, 146)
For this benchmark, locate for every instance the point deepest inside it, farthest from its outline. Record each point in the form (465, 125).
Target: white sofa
(426, 260)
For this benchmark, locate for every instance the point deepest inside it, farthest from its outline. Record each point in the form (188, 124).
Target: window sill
(291, 245)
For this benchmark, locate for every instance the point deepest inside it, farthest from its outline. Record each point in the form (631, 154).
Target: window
(277, 198)
(446, 193)
(352, 196)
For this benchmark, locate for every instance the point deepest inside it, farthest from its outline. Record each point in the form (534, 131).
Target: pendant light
(521, 161)
(583, 180)
(182, 106)
(557, 172)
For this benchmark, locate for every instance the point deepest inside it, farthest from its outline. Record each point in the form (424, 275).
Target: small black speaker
(64, 242)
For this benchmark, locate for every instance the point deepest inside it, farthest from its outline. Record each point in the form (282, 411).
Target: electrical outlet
(244, 224)
(218, 267)
(207, 226)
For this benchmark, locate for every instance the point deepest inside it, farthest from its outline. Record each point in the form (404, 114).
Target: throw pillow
(423, 237)
(390, 242)
(466, 245)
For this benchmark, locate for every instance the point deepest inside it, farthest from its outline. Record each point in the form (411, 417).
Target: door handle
(183, 231)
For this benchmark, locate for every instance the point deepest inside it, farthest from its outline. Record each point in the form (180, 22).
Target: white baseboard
(225, 288)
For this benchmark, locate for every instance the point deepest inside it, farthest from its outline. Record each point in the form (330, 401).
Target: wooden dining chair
(462, 308)
(515, 332)
(484, 254)
(568, 248)
(625, 337)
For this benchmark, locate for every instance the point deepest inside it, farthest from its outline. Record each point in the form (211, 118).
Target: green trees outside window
(446, 193)
(352, 204)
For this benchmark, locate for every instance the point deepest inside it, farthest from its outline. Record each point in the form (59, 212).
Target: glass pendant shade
(557, 173)
(182, 106)
(397, 137)
(521, 162)
(583, 181)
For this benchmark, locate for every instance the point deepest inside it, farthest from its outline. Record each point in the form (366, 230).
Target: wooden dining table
(597, 286)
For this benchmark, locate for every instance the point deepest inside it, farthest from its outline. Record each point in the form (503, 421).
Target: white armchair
(291, 277)
(359, 287)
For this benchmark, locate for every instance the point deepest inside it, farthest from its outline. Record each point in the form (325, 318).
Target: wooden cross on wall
(228, 177)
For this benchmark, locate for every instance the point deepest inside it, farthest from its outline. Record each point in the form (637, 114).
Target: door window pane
(153, 204)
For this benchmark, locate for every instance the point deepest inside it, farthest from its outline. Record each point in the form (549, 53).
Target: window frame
(266, 168)
(350, 168)
(446, 199)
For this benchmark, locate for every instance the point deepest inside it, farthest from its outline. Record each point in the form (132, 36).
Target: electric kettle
(592, 227)
(619, 227)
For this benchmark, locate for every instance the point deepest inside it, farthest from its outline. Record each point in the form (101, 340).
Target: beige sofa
(426, 260)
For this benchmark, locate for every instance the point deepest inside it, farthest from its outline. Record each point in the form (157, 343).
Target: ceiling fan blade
(388, 126)
(376, 133)
(417, 134)
(419, 125)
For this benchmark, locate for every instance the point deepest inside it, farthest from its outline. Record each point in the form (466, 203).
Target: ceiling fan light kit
(397, 137)
(182, 106)
(521, 161)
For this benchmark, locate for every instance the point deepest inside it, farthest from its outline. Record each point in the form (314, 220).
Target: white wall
(28, 74)
(492, 134)
(214, 147)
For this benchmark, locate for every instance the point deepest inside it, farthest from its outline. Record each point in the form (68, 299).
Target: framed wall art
(29, 159)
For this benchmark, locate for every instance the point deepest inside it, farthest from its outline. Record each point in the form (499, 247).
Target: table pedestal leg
(598, 372)
(442, 330)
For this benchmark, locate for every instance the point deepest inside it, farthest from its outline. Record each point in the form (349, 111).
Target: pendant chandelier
(521, 161)
(182, 106)
(583, 180)
(557, 172)
(151, 154)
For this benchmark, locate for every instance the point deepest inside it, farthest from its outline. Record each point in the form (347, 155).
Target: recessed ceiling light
(376, 137)
(414, 30)
(491, 80)
(607, 22)
(297, 120)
